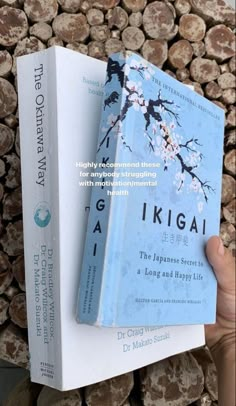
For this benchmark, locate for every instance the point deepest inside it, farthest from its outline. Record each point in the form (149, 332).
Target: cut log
(6, 275)
(182, 74)
(198, 48)
(229, 212)
(13, 346)
(180, 54)
(18, 270)
(96, 49)
(155, 51)
(231, 138)
(70, 6)
(13, 26)
(5, 63)
(118, 18)
(133, 6)
(104, 4)
(158, 20)
(214, 11)
(192, 27)
(100, 33)
(41, 10)
(232, 248)
(228, 192)
(6, 139)
(12, 240)
(133, 38)
(95, 16)
(230, 162)
(13, 178)
(76, 46)
(164, 381)
(54, 41)
(11, 120)
(182, 7)
(17, 310)
(113, 45)
(52, 397)
(42, 31)
(204, 70)
(227, 80)
(136, 19)
(10, 3)
(231, 117)
(8, 98)
(71, 27)
(26, 46)
(228, 96)
(12, 205)
(227, 233)
(113, 391)
(213, 90)
(4, 305)
(232, 65)
(220, 43)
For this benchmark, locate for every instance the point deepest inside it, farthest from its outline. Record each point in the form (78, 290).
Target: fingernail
(221, 248)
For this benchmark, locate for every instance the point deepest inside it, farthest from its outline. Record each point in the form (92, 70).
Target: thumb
(222, 262)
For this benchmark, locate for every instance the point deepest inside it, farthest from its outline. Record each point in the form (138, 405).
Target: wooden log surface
(191, 40)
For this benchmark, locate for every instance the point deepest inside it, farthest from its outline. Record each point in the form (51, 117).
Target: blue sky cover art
(164, 145)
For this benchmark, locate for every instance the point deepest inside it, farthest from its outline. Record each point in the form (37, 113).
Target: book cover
(155, 202)
(60, 99)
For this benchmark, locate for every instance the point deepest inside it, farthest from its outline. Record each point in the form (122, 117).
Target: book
(155, 202)
(60, 100)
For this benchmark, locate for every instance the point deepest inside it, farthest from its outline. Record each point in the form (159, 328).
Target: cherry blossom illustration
(161, 126)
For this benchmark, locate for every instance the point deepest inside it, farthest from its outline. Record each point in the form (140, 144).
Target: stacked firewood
(193, 41)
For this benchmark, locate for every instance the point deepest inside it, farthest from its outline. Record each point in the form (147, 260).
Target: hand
(223, 332)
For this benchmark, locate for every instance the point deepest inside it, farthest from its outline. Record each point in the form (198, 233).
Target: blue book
(155, 202)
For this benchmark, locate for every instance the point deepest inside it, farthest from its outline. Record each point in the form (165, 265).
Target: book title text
(40, 125)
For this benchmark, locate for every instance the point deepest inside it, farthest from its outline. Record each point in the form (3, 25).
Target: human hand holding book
(220, 336)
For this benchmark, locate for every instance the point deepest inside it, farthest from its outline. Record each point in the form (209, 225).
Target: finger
(222, 262)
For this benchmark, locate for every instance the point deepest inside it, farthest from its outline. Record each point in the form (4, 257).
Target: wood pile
(193, 41)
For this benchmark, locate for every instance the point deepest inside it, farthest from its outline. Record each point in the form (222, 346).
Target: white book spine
(37, 91)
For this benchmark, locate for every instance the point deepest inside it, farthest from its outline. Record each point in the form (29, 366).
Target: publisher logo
(42, 215)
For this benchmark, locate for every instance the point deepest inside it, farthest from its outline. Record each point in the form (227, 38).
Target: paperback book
(155, 202)
(60, 100)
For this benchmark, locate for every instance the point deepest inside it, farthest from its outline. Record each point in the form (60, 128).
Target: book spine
(38, 139)
(100, 222)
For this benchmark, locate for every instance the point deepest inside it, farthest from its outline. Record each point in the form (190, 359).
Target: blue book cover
(156, 190)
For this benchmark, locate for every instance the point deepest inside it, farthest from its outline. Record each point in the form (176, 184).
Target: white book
(60, 97)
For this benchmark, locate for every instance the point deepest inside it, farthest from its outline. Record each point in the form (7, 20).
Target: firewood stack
(193, 41)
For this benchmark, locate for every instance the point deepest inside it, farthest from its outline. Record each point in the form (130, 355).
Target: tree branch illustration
(162, 103)
(154, 110)
(184, 167)
(186, 145)
(189, 170)
(119, 118)
(150, 111)
(140, 70)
